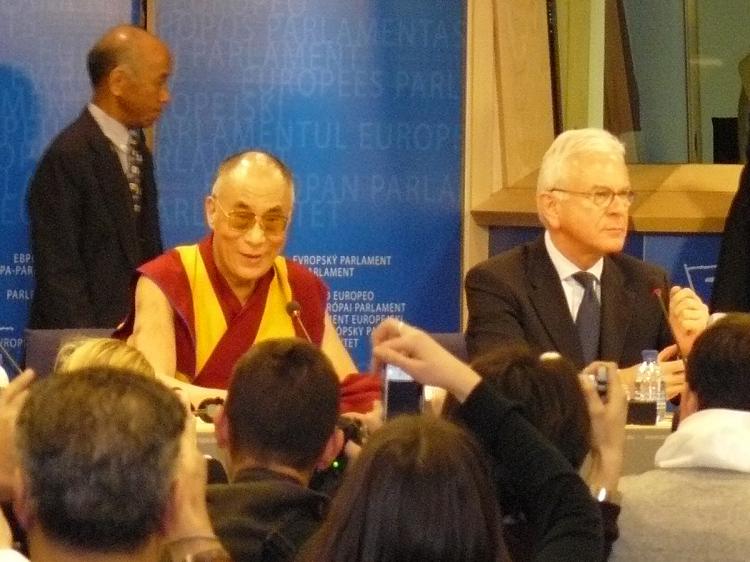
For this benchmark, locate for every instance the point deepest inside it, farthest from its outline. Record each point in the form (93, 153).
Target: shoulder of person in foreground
(553, 495)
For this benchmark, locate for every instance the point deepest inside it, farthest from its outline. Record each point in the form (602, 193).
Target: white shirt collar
(564, 267)
(711, 438)
(111, 127)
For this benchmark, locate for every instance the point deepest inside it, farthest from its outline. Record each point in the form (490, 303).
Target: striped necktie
(588, 319)
(135, 162)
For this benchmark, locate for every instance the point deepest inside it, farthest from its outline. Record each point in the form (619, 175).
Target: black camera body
(327, 481)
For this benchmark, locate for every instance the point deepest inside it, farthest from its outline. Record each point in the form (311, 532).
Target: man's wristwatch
(602, 494)
(198, 548)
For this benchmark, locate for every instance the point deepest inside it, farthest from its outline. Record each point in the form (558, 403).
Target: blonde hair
(101, 352)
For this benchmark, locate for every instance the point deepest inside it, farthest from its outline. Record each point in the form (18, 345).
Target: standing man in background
(92, 201)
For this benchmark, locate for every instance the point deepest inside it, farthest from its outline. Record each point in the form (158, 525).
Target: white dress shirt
(10, 555)
(565, 269)
(115, 132)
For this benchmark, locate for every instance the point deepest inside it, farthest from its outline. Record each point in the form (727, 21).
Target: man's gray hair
(570, 144)
(98, 448)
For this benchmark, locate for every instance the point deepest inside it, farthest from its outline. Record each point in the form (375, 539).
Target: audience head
(249, 210)
(101, 352)
(547, 389)
(419, 490)
(718, 367)
(129, 68)
(282, 406)
(583, 195)
(97, 454)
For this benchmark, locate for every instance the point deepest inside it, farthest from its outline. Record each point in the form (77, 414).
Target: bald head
(129, 70)
(122, 44)
(250, 166)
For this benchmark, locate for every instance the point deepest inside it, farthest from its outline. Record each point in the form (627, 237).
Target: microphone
(9, 357)
(656, 291)
(294, 310)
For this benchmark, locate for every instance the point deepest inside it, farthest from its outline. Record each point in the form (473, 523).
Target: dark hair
(548, 392)
(420, 490)
(282, 403)
(107, 53)
(98, 448)
(119, 44)
(100, 62)
(718, 367)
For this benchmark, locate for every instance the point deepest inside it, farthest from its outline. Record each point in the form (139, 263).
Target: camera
(327, 481)
(601, 378)
(401, 393)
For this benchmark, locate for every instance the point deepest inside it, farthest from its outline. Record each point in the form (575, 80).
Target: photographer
(584, 418)
(278, 425)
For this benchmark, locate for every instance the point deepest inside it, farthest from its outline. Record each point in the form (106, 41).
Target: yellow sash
(209, 323)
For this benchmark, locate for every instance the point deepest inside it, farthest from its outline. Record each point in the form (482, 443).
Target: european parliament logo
(701, 279)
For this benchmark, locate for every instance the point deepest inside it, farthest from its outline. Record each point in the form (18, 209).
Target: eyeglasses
(272, 224)
(603, 197)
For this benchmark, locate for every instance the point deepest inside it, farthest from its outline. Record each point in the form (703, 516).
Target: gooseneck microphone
(10, 359)
(294, 310)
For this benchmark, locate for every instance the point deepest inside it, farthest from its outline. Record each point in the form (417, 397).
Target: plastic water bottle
(649, 383)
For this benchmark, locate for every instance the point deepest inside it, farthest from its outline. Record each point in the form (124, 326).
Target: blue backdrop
(43, 86)
(363, 100)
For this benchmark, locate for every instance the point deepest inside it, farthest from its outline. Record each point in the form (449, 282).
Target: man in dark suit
(535, 292)
(92, 202)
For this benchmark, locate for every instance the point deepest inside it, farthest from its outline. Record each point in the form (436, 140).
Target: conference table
(207, 440)
(641, 444)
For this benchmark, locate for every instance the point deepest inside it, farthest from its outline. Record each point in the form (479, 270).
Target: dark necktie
(588, 318)
(135, 161)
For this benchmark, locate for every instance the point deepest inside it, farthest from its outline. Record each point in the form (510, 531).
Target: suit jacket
(86, 239)
(517, 295)
(263, 515)
(731, 291)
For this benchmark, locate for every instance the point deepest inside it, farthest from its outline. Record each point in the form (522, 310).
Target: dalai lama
(198, 308)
